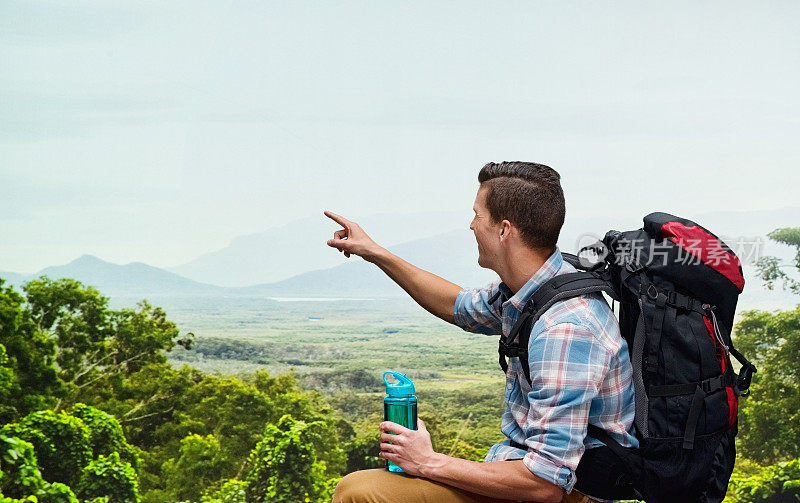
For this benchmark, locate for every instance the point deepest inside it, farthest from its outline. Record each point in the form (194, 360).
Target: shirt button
(508, 386)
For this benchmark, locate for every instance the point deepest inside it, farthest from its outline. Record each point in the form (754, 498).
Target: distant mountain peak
(88, 259)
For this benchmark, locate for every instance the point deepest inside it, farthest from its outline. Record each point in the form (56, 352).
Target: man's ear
(505, 225)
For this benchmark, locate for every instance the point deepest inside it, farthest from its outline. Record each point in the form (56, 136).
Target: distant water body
(313, 299)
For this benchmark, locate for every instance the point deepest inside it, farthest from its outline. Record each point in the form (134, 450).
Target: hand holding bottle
(409, 450)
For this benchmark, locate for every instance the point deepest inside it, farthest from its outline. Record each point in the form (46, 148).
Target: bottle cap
(403, 388)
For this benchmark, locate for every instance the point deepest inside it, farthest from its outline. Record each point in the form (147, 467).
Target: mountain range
(354, 278)
(297, 262)
(297, 247)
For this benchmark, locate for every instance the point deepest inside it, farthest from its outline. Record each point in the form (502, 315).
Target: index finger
(393, 427)
(337, 218)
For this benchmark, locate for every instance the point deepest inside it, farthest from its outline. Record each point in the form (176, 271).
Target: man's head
(519, 204)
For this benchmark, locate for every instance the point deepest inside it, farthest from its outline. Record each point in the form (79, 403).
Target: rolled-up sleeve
(473, 312)
(567, 365)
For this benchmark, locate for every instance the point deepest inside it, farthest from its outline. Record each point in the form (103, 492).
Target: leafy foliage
(32, 382)
(20, 478)
(61, 442)
(284, 467)
(62, 341)
(109, 477)
(57, 453)
(232, 491)
(20, 473)
(200, 465)
(770, 416)
(160, 406)
(775, 483)
(8, 386)
(75, 318)
(196, 436)
(770, 268)
(105, 434)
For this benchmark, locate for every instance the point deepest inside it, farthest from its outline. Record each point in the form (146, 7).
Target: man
(578, 360)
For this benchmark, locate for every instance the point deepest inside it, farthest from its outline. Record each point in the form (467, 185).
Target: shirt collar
(547, 271)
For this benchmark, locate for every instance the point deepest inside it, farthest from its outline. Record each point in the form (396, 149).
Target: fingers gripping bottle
(399, 406)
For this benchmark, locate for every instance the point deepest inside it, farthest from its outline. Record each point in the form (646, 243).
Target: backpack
(677, 285)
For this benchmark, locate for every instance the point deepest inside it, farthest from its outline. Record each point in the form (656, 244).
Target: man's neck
(520, 266)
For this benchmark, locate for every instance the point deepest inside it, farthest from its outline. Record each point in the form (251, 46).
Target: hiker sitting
(578, 363)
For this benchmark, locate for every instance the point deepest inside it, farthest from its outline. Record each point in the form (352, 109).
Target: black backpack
(677, 285)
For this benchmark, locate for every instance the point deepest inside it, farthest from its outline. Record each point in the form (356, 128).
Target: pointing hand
(351, 239)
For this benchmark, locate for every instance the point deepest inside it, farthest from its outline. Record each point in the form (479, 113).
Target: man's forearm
(435, 294)
(500, 479)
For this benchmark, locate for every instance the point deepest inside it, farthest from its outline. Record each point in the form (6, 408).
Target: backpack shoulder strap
(561, 287)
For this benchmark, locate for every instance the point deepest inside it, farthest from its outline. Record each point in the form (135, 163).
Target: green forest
(106, 405)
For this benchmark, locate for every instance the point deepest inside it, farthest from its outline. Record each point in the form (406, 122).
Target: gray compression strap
(639, 391)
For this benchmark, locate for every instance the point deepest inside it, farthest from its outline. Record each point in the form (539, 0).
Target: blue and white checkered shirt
(580, 370)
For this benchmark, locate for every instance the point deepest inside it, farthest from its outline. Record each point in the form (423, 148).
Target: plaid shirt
(580, 370)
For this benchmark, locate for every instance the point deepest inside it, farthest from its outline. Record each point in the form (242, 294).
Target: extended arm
(435, 294)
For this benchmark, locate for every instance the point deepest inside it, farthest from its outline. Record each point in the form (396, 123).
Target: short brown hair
(529, 195)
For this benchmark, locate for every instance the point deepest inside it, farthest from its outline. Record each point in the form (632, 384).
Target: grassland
(236, 336)
(341, 349)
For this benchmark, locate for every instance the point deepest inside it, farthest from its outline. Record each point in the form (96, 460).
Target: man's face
(486, 233)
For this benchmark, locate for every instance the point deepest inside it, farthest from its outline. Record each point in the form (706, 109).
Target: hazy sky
(157, 131)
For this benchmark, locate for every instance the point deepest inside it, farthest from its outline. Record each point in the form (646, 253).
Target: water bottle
(399, 406)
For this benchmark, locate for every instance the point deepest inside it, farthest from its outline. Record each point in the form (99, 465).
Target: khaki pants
(381, 486)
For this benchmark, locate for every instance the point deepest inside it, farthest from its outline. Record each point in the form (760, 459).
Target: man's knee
(355, 487)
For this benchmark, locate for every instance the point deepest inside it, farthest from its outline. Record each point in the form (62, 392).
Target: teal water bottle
(399, 406)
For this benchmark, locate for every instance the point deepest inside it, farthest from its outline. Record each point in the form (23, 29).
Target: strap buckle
(711, 384)
(632, 265)
(745, 374)
(673, 298)
(513, 350)
(679, 300)
(744, 378)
